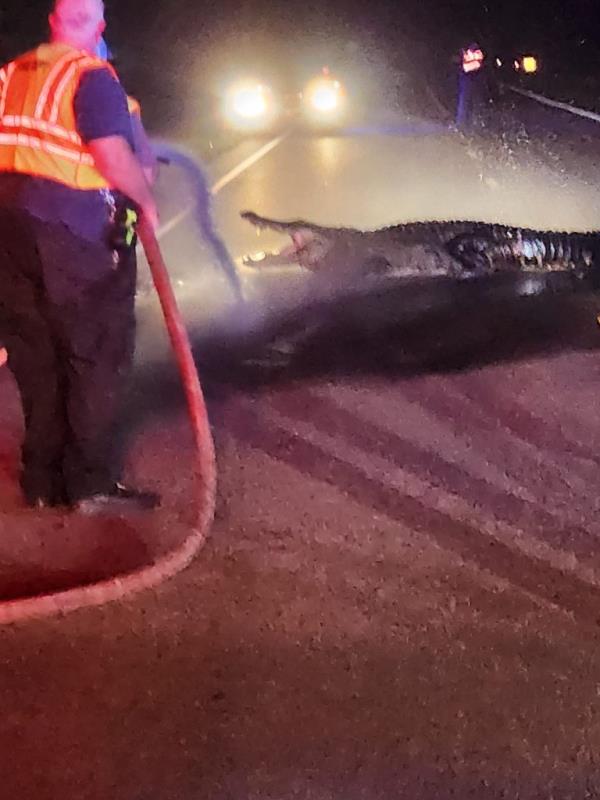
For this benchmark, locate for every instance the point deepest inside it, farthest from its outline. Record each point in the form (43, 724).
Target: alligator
(455, 249)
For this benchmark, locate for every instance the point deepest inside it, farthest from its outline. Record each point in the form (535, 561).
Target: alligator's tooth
(255, 258)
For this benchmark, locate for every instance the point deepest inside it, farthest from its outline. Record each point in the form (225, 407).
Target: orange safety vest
(38, 130)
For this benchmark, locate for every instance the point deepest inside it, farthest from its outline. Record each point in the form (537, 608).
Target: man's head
(79, 23)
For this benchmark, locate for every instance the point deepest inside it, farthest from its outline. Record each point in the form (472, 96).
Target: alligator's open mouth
(306, 249)
(275, 258)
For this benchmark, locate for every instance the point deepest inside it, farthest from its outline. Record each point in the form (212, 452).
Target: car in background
(255, 105)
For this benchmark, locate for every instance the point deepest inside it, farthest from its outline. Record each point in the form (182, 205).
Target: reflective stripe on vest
(6, 73)
(472, 60)
(37, 143)
(38, 131)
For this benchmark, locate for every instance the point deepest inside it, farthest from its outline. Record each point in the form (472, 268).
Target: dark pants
(67, 321)
(475, 93)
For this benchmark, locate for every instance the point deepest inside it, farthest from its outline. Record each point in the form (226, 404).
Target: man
(68, 279)
(474, 87)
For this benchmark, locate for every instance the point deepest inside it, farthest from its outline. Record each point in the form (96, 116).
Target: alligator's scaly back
(460, 249)
(434, 230)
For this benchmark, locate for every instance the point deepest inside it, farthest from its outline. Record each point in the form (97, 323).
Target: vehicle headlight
(324, 96)
(248, 103)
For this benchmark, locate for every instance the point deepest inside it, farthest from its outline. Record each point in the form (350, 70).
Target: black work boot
(119, 500)
(43, 490)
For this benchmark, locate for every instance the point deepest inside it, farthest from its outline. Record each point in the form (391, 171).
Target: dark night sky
(540, 20)
(165, 45)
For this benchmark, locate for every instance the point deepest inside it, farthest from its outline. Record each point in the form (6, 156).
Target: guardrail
(579, 112)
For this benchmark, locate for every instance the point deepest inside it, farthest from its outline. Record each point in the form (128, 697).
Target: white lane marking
(579, 112)
(168, 226)
(247, 163)
(223, 182)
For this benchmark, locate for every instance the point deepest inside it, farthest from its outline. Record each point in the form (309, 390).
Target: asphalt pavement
(400, 596)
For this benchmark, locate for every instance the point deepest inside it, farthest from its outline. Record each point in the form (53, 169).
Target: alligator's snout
(255, 219)
(303, 236)
(294, 228)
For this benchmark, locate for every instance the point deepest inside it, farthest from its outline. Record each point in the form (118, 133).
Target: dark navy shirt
(100, 110)
(101, 107)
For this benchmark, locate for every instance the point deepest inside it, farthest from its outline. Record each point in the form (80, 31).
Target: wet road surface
(400, 597)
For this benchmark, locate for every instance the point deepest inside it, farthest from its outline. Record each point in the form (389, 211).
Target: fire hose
(205, 469)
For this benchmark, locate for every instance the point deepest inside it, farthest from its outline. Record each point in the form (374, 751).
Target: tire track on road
(329, 417)
(448, 402)
(561, 589)
(575, 380)
(543, 434)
